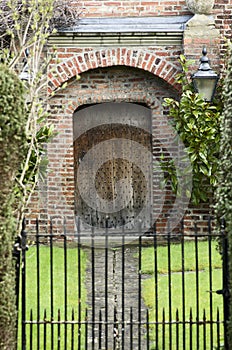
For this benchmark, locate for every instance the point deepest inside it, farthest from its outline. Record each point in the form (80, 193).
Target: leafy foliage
(24, 29)
(197, 124)
(25, 26)
(13, 119)
(224, 190)
(36, 163)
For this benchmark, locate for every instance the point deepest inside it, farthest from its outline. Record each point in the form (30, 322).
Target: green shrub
(12, 145)
(197, 123)
(224, 191)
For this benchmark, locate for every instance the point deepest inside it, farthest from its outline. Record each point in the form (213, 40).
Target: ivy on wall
(224, 190)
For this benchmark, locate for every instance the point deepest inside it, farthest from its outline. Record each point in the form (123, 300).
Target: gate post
(226, 291)
(17, 258)
(23, 290)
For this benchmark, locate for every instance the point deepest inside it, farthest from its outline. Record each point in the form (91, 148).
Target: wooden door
(111, 136)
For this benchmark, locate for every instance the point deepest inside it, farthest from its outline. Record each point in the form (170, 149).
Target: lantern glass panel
(205, 87)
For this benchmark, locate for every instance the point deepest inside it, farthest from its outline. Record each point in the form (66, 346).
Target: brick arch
(137, 58)
(73, 105)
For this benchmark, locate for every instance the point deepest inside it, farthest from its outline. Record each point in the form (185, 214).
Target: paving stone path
(120, 287)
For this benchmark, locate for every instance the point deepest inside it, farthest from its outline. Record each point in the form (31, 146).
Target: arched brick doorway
(111, 179)
(117, 84)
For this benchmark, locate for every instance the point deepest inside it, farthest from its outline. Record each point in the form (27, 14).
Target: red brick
(109, 84)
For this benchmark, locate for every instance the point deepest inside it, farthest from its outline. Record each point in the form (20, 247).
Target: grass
(73, 302)
(175, 280)
(197, 298)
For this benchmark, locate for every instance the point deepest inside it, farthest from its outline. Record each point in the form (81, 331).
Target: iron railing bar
(147, 330)
(24, 240)
(197, 285)
(183, 284)
(163, 329)
(139, 292)
(65, 284)
(218, 329)
(17, 261)
(210, 280)
(31, 331)
(204, 332)
(58, 331)
(115, 329)
(169, 288)
(38, 282)
(101, 235)
(45, 331)
(225, 281)
(123, 289)
(106, 285)
(100, 330)
(173, 322)
(79, 292)
(177, 329)
(72, 330)
(93, 282)
(86, 329)
(51, 285)
(131, 328)
(190, 330)
(156, 287)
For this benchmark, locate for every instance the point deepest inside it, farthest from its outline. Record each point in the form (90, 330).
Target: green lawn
(73, 302)
(148, 290)
(190, 290)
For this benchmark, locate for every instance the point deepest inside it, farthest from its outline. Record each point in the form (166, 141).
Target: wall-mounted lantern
(205, 79)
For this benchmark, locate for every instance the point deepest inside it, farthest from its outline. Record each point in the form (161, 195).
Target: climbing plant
(197, 123)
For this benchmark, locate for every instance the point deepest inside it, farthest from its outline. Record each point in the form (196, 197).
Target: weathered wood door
(111, 143)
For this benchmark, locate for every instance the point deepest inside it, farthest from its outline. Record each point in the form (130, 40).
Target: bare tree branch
(65, 13)
(25, 26)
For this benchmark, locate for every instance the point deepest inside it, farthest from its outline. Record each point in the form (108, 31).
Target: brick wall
(114, 84)
(131, 74)
(217, 48)
(160, 61)
(115, 8)
(223, 15)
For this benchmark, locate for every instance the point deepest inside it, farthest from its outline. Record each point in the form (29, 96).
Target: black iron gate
(123, 290)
